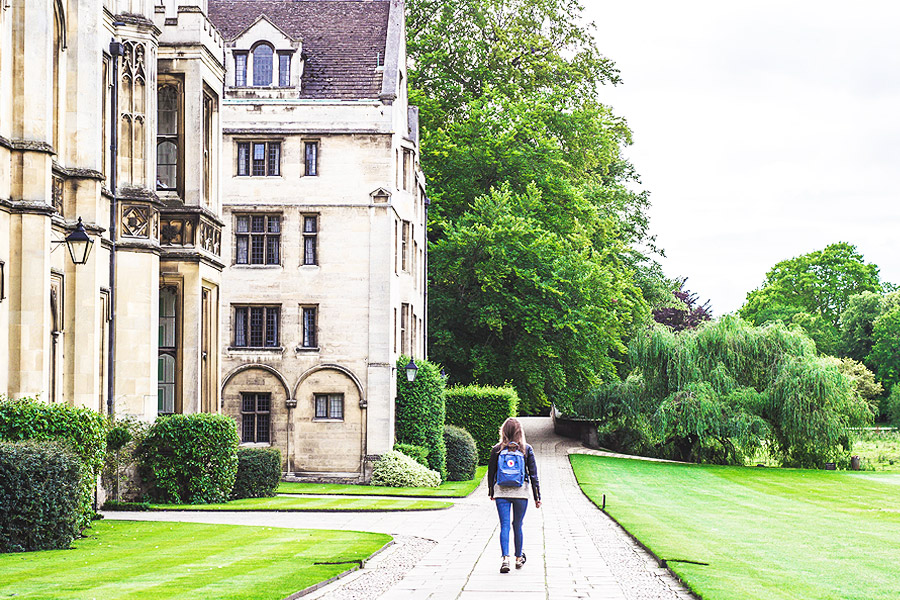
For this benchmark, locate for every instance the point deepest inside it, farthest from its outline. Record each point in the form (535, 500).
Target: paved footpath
(573, 549)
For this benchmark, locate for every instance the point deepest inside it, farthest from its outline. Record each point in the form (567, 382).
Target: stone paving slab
(574, 550)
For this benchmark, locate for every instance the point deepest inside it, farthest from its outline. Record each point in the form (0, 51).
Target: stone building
(324, 228)
(110, 115)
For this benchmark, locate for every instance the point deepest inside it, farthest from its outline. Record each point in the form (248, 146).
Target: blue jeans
(519, 505)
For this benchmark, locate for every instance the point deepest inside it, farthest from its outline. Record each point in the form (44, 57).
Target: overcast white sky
(763, 130)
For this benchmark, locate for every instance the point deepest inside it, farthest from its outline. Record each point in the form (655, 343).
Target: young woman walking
(509, 483)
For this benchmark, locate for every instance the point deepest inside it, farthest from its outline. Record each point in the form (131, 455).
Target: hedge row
(81, 430)
(40, 494)
(190, 459)
(258, 473)
(481, 410)
(420, 411)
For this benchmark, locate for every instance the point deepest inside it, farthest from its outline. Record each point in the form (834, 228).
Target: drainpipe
(116, 49)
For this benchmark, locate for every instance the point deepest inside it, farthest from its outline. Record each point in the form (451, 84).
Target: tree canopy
(533, 220)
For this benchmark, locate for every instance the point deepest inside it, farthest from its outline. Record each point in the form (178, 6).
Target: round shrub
(40, 494)
(81, 430)
(420, 411)
(418, 453)
(189, 459)
(258, 473)
(395, 469)
(462, 455)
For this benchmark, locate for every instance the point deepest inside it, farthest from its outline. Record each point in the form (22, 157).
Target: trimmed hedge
(81, 430)
(40, 494)
(189, 459)
(462, 454)
(420, 411)
(417, 453)
(481, 410)
(396, 469)
(258, 473)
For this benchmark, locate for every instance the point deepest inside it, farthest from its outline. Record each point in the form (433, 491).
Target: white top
(502, 491)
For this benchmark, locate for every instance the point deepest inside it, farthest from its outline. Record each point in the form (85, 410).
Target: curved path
(574, 550)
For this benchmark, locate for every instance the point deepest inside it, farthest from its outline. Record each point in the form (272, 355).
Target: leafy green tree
(724, 390)
(885, 355)
(522, 303)
(511, 121)
(856, 324)
(818, 283)
(824, 334)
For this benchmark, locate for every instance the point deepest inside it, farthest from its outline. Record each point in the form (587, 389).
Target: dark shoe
(504, 566)
(520, 560)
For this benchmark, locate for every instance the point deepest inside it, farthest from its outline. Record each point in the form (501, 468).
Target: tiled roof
(342, 40)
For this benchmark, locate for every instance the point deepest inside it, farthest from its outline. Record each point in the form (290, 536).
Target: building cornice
(28, 207)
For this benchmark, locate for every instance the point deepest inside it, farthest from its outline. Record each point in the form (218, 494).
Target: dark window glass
(255, 414)
(321, 407)
(259, 160)
(240, 327)
(274, 166)
(309, 327)
(312, 158)
(256, 326)
(310, 240)
(329, 406)
(257, 240)
(243, 158)
(262, 65)
(284, 70)
(240, 69)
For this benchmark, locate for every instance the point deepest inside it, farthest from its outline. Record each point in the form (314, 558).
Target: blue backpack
(511, 467)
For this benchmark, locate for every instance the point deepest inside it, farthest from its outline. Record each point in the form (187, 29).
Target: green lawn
(765, 533)
(160, 561)
(289, 503)
(449, 489)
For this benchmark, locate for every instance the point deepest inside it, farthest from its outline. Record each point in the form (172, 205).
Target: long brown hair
(511, 432)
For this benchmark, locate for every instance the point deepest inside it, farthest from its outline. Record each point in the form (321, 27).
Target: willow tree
(726, 389)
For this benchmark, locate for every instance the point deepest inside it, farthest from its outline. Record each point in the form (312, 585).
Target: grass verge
(168, 561)
(300, 504)
(767, 533)
(449, 489)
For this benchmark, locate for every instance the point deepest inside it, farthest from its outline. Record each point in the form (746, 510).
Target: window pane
(273, 242)
(240, 327)
(274, 224)
(274, 159)
(272, 327)
(243, 224)
(337, 406)
(262, 402)
(309, 250)
(258, 225)
(248, 402)
(309, 224)
(166, 165)
(312, 152)
(243, 244)
(257, 254)
(262, 428)
(284, 70)
(259, 160)
(256, 327)
(321, 407)
(168, 110)
(262, 65)
(249, 428)
(240, 69)
(243, 158)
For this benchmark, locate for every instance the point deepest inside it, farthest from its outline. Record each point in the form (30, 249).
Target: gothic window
(132, 118)
(209, 108)
(168, 350)
(262, 65)
(167, 142)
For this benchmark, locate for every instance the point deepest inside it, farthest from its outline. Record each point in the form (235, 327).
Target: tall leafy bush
(82, 430)
(481, 410)
(40, 496)
(420, 411)
(190, 459)
(462, 455)
(258, 473)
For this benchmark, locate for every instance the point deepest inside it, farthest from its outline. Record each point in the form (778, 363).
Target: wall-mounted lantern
(411, 370)
(79, 244)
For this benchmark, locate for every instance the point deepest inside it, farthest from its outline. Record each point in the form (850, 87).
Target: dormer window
(240, 69)
(262, 65)
(284, 69)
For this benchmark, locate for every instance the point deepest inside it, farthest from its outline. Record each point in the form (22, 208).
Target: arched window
(262, 65)
(167, 138)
